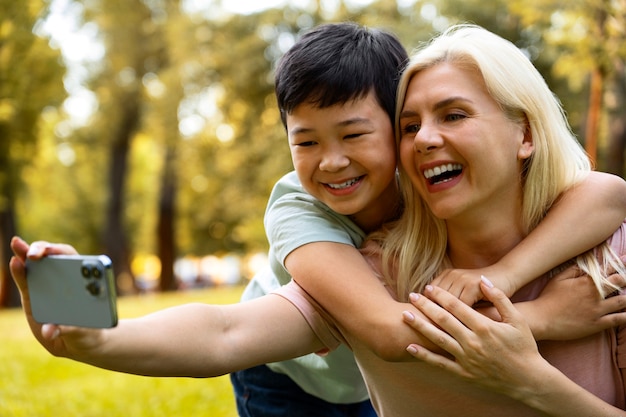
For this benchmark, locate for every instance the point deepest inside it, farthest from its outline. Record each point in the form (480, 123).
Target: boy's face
(345, 156)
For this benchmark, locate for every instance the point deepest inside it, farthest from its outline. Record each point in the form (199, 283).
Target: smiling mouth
(442, 173)
(345, 184)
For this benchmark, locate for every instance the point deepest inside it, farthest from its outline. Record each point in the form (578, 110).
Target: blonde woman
(485, 152)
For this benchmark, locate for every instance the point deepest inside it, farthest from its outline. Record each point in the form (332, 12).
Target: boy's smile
(344, 156)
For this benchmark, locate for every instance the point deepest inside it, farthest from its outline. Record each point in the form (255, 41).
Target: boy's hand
(570, 307)
(465, 283)
(58, 340)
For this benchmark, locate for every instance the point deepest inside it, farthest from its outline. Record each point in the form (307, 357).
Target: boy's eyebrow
(439, 105)
(343, 123)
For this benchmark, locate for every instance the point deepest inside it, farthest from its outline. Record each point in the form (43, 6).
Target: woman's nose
(427, 139)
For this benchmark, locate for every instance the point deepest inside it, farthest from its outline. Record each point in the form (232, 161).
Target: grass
(35, 384)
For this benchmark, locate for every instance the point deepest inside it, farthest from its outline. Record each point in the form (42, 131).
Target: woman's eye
(411, 128)
(453, 117)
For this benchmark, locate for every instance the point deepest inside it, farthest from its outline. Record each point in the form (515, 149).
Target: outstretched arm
(565, 232)
(189, 340)
(500, 356)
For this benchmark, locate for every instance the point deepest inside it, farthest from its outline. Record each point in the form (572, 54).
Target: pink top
(416, 389)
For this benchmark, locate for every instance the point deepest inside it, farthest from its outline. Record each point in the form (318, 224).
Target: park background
(148, 130)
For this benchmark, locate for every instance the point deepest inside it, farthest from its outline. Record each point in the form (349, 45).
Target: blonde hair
(415, 247)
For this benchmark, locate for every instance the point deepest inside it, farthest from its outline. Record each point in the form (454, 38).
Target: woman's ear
(527, 147)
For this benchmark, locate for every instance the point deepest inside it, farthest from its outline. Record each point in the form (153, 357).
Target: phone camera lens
(97, 273)
(85, 271)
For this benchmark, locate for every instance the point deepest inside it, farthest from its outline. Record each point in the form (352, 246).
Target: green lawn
(35, 384)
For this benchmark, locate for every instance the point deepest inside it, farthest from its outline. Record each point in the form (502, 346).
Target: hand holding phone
(77, 290)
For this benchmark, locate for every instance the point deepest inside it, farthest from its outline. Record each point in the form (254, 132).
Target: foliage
(30, 76)
(41, 385)
(195, 85)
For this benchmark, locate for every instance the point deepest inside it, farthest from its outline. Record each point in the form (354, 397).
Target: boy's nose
(334, 161)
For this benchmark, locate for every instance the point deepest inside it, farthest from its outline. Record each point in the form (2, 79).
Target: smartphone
(77, 290)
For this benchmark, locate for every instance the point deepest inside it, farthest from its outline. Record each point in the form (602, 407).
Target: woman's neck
(484, 240)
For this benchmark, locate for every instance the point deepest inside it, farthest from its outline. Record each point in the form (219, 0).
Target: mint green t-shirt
(294, 218)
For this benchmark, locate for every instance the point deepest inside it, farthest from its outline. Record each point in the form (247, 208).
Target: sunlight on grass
(35, 384)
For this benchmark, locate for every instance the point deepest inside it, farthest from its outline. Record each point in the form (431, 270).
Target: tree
(133, 49)
(590, 38)
(22, 100)
(167, 108)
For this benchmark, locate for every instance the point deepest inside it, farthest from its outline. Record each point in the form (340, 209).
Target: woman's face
(457, 147)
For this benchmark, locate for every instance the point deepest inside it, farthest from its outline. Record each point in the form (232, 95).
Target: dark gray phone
(77, 290)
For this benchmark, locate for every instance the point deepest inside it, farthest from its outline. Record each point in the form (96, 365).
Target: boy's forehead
(365, 103)
(309, 117)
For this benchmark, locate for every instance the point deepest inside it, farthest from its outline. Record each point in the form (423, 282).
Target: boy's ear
(527, 147)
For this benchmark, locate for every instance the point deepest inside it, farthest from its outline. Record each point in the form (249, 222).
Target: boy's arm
(339, 278)
(567, 230)
(190, 340)
(573, 307)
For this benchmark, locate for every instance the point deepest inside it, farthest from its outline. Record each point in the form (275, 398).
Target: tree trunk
(593, 114)
(165, 228)
(115, 241)
(9, 295)
(616, 149)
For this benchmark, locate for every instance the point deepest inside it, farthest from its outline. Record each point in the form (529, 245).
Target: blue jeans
(261, 392)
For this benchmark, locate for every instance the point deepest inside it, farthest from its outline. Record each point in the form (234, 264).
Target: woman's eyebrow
(438, 106)
(451, 100)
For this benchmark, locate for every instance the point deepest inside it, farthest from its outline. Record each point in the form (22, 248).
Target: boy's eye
(352, 135)
(306, 143)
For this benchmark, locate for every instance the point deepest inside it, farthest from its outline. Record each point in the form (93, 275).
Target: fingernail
(34, 250)
(486, 281)
(412, 349)
(429, 288)
(408, 316)
(414, 296)
(56, 333)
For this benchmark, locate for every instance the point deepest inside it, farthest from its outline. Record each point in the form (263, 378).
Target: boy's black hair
(338, 62)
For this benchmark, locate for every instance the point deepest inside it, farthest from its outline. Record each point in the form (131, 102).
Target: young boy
(336, 92)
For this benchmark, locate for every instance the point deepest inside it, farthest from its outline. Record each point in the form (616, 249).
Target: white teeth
(431, 172)
(343, 184)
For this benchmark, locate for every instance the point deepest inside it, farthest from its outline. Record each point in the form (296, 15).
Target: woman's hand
(500, 356)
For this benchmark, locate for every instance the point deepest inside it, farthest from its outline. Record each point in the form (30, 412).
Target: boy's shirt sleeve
(294, 218)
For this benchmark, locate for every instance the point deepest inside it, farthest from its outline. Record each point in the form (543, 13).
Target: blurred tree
(590, 39)
(168, 132)
(133, 48)
(30, 80)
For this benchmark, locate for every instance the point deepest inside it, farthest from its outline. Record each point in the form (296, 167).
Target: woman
(485, 150)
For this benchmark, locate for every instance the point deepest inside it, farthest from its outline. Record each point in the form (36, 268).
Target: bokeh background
(148, 129)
